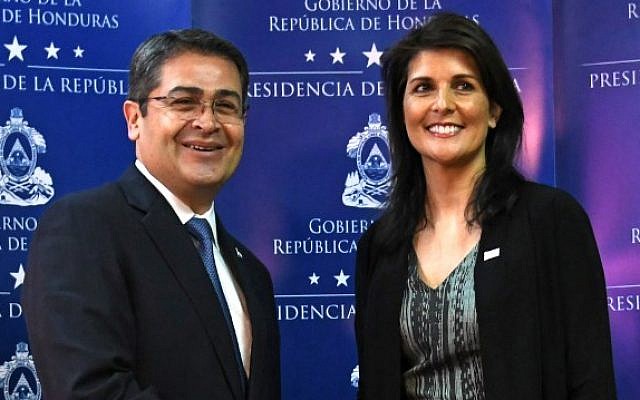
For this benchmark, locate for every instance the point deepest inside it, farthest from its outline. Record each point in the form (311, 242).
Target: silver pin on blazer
(489, 254)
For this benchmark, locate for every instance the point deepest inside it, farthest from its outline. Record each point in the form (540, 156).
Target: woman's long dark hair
(495, 190)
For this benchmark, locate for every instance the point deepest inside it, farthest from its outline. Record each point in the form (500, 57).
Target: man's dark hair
(153, 53)
(495, 190)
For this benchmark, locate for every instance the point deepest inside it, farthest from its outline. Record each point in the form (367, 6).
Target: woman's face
(446, 109)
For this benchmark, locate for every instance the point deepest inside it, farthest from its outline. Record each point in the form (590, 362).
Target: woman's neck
(449, 190)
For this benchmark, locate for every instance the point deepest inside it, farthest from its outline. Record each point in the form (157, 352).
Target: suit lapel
(241, 268)
(176, 247)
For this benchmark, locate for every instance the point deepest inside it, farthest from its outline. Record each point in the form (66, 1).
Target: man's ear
(495, 111)
(133, 115)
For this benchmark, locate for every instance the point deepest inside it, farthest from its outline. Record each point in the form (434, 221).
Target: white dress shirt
(232, 292)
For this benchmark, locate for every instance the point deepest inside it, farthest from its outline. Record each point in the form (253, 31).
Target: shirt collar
(182, 210)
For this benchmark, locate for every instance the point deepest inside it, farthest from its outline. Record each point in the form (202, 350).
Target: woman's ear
(494, 115)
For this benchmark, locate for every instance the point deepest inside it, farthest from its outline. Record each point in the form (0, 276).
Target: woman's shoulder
(541, 199)
(374, 244)
(365, 243)
(541, 193)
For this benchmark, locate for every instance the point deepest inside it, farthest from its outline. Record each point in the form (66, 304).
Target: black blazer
(541, 306)
(119, 306)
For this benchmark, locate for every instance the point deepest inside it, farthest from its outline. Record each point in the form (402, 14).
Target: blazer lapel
(496, 285)
(176, 247)
(388, 283)
(491, 272)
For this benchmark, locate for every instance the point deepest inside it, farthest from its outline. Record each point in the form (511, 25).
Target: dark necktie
(201, 230)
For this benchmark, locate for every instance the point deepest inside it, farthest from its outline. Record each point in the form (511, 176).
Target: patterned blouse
(440, 335)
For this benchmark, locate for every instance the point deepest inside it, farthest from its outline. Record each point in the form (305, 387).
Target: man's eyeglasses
(188, 108)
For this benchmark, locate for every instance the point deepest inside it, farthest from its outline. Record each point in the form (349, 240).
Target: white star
(18, 276)
(15, 49)
(342, 279)
(337, 56)
(309, 56)
(373, 55)
(52, 51)
(78, 52)
(313, 279)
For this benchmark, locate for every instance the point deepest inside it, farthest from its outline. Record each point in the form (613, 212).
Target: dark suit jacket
(541, 306)
(119, 306)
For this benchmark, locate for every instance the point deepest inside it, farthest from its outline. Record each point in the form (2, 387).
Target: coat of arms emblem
(18, 377)
(368, 186)
(22, 182)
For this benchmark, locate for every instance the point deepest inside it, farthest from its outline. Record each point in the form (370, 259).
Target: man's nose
(207, 120)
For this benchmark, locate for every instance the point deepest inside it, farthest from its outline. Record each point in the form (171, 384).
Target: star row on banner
(337, 56)
(15, 49)
(18, 276)
(341, 279)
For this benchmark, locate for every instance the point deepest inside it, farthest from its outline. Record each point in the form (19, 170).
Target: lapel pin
(238, 253)
(489, 254)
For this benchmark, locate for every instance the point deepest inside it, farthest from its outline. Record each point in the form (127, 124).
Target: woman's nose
(443, 101)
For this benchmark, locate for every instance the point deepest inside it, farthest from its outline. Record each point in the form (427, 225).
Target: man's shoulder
(94, 198)
(111, 195)
(92, 217)
(96, 206)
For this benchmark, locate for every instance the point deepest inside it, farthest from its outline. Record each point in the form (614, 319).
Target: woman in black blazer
(474, 284)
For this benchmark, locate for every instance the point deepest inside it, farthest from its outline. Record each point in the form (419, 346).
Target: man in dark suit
(135, 290)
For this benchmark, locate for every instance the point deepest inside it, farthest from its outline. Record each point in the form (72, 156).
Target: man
(127, 296)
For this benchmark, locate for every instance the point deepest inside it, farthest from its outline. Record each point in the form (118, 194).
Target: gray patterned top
(440, 335)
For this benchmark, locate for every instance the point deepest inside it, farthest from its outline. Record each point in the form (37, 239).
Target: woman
(474, 284)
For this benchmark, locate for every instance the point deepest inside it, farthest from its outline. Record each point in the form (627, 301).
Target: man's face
(192, 157)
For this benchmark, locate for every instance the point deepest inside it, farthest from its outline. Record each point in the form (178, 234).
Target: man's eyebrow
(227, 93)
(197, 91)
(187, 89)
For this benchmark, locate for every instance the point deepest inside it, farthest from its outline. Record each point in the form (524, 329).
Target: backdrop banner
(316, 166)
(63, 78)
(597, 84)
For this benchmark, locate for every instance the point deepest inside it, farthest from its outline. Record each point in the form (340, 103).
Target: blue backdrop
(63, 78)
(598, 90)
(306, 196)
(303, 195)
